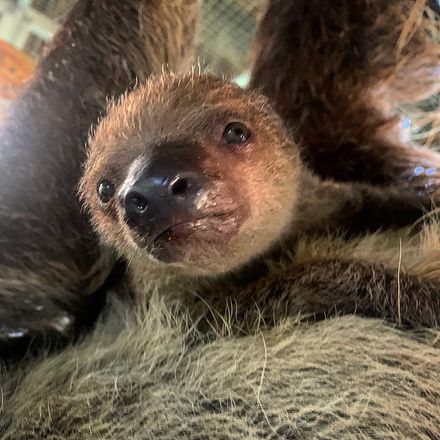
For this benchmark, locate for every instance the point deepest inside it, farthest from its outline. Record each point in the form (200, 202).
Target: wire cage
(225, 34)
(53, 9)
(226, 30)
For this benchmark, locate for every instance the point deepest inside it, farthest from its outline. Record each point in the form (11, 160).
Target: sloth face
(193, 173)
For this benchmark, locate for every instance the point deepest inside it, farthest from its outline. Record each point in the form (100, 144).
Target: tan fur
(146, 372)
(149, 375)
(177, 109)
(418, 254)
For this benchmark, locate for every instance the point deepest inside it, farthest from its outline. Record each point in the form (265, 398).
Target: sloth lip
(169, 244)
(168, 230)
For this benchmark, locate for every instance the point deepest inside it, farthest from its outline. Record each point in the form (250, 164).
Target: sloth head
(191, 172)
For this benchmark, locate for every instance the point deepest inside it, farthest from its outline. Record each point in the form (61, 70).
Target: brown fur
(192, 110)
(342, 70)
(49, 259)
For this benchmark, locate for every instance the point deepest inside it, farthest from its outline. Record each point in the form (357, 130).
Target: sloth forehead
(174, 101)
(193, 127)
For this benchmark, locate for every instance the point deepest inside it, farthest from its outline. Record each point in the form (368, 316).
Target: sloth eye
(236, 133)
(106, 190)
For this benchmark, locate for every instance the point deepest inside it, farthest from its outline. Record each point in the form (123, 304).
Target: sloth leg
(326, 288)
(340, 286)
(341, 70)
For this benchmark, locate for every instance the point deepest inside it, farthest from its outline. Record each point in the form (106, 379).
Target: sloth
(198, 184)
(281, 268)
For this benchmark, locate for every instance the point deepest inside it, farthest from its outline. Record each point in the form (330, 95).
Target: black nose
(153, 195)
(165, 194)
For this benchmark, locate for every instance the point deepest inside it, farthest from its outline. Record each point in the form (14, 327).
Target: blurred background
(226, 32)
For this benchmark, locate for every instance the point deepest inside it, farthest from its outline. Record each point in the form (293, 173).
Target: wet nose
(155, 195)
(165, 194)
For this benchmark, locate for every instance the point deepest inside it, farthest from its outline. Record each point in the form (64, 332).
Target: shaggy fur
(49, 259)
(151, 376)
(342, 70)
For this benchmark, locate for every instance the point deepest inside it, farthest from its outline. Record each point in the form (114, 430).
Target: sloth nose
(164, 195)
(154, 195)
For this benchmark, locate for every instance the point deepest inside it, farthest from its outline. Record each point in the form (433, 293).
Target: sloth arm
(366, 288)
(354, 208)
(319, 289)
(44, 235)
(338, 80)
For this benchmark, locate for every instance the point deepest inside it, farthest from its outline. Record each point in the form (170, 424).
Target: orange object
(15, 69)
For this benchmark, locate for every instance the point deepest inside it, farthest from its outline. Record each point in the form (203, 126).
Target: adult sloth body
(144, 373)
(147, 375)
(49, 259)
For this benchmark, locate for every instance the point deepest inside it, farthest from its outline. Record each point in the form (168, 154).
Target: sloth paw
(33, 331)
(422, 173)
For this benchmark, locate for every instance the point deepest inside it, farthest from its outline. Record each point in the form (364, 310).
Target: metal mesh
(54, 9)
(226, 30)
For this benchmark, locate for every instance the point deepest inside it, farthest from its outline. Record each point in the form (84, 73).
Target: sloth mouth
(186, 228)
(212, 228)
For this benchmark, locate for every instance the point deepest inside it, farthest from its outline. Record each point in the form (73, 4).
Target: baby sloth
(199, 186)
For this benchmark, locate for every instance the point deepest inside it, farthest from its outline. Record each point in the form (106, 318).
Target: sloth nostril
(180, 186)
(137, 202)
